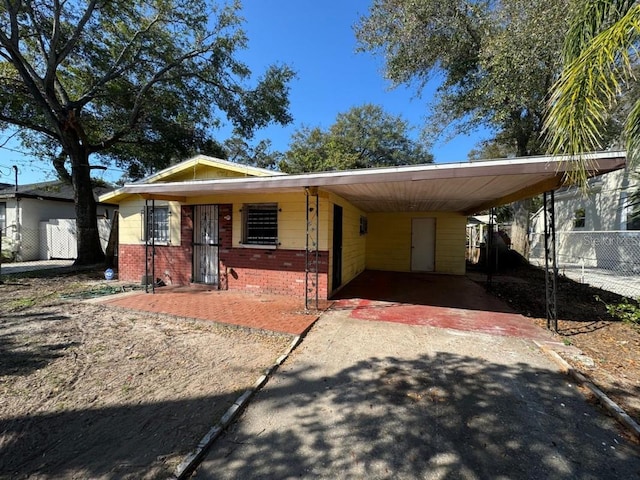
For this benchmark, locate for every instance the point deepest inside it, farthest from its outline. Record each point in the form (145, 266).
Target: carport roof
(455, 187)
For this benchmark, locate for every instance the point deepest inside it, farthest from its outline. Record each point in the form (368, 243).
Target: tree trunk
(520, 227)
(89, 248)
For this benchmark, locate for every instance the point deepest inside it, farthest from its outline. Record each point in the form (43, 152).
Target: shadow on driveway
(452, 406)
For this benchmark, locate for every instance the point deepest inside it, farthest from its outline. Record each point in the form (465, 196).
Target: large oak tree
(130, 81)
(493, 61)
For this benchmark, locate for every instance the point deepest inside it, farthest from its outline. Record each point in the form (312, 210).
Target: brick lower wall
(259, 270)
(172, 262)
(269, 271)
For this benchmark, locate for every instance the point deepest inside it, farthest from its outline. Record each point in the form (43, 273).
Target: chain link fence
(54, 239)
(609, 260)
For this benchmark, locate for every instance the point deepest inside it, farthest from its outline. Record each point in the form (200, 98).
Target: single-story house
(595, 228)
(37, 221)
(210, 221)
(606, 205)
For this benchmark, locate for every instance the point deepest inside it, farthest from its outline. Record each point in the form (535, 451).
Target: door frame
(338, 234)
(213, 244)
(430, 244)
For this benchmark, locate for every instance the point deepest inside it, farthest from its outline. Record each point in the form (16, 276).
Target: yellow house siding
(450, 244)
(353, 244)
(131, 222)
(389, 241)
(292, 224)
(204, 172)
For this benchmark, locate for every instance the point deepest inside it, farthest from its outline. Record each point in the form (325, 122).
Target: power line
(14, 150)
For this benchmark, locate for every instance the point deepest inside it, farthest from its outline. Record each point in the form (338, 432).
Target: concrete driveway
(378, 399)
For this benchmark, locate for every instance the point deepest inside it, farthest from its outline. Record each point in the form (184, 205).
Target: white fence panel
(58, 238)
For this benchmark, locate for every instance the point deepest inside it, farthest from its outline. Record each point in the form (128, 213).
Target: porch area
(445, 301)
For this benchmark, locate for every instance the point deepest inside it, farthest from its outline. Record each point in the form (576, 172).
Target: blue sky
(317, 40)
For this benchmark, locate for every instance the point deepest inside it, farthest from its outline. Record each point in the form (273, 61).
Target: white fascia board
(601, 162)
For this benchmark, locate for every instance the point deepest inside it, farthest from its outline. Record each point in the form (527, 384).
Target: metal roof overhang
(458, 187)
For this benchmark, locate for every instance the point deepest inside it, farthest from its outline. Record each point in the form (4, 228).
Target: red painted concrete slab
(277, 313)
(444, 301)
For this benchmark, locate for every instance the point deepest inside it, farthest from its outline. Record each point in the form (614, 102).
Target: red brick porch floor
(277, 313)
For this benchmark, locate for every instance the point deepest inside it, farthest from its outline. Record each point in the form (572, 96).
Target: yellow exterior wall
(291, 218)
(131, 224)
(204, 172)
(354, 245)
(389, 241)
(386, 246)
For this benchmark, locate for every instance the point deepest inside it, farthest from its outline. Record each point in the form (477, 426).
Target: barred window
(364, 225)
(157, 225)
(260, 223)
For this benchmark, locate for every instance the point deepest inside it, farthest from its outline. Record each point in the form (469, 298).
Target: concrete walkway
(377, 399)
(19, 267)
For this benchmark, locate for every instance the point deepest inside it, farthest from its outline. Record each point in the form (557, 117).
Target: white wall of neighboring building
(23, 236)
(606, 204)
(605, 250)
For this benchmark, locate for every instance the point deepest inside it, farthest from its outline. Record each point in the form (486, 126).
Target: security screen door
(205, 244)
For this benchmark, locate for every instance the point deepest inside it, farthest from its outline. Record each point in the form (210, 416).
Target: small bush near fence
(627, 311)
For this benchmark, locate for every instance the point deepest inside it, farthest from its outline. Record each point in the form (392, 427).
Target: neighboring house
(37, 221)
(597, 233)
(605, 206)
(214, 222)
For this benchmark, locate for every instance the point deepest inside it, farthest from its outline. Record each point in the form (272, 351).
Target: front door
(423, 244)
(336, 279)
(205, 244)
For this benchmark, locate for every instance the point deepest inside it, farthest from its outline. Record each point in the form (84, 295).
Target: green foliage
(363, 137)
(134, 81)
(495, 60)
(598, 80)
(239, 150)
(138, 82)
(628, 311)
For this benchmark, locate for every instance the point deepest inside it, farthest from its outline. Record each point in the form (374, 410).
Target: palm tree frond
(590, 19)
(590, 85)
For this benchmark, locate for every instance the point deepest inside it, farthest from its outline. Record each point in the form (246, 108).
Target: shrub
(628, 311)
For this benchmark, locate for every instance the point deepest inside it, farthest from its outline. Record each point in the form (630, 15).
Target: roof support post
(1, 282)
(550, 263)
(153, 246)
(311, 248)
(145, 236)
(491, 251)
(148, 224)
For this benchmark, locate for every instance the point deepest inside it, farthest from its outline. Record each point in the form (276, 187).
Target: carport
(456, 190)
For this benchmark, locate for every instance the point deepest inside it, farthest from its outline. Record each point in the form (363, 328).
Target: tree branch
(117, 68)
(31, 126)
(134, 116)
(71, 43)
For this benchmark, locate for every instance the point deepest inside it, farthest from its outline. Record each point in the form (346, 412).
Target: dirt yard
(611, 348)
(88, 391)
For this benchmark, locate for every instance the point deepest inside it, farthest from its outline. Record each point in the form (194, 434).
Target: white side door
(423, 244)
